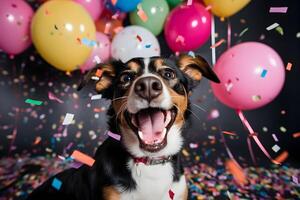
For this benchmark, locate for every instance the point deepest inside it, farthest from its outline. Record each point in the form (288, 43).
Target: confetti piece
(298, 35)
(68, 119)
(147, 46)
(282, 129)
(107, 28)
(243, 32)
(278, 9)
(208, 7)
(276, 148)
(56, 183)
(256, 98)
(275, 138)
(139, 38)
(95, 78)
(289, 66)
(237, 172)
(185, 152)
(282, 157)
(51, 96)
(189, 2)
(217, 44)
(180, 39)
(37, 140)
(171, 194)
(114, 2)
(194, 145)
(264, 73)
(118, 29)
(272, 26)
(89, 43)
(229, 133)
(96, 97)
(228, 85)
(83, 158)
(113, 135)
(143, 16)
(99, 73)
(295, 135)
(191, 53)
(96, 59)
(279, 29)
(34, 102)
(295, 180)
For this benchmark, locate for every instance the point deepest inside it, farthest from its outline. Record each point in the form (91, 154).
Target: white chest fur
(154, 182)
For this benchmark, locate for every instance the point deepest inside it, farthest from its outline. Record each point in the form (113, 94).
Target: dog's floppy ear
(195, 68)
(102, 75)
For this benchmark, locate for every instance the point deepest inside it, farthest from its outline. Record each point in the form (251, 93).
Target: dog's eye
(126, 78)
(168, 74)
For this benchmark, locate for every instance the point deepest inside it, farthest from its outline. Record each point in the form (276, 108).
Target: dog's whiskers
(181, 113)
(125, 97)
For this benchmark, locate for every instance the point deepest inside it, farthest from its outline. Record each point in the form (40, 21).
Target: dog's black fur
(111, 158)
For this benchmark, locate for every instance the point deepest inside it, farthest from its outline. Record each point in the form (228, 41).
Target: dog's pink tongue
(152, 125)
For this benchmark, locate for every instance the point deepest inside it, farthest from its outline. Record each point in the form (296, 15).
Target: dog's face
(150, 99)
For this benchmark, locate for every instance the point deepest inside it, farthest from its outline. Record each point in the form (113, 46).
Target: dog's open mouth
(151, 126)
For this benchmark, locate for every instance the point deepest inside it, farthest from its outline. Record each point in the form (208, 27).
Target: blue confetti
(148, 46)
(264, 73)
(191, 53)
(56, 183)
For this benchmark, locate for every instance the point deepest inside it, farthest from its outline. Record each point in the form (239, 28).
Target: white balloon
(132, 42)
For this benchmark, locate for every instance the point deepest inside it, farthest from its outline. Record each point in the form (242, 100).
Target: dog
(149, 110)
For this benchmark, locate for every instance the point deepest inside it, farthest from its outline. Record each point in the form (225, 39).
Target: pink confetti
(189, 2)
(107, 28)
(278, 9)
(180, 39)
(51, 96)
(113, 135)
(275, 138)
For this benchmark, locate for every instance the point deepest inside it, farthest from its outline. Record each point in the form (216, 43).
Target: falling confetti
(56, 183)
(68, 119)
(114, 136)
(278, 9)
(33, 102)
(83, 158)
(272, 26)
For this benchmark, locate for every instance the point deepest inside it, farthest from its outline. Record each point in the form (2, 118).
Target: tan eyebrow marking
(134, 66)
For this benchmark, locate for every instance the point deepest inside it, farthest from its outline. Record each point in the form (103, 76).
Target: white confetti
(96, 97)
(276, 148)
(275, 138)
(272, 26)
(68, 119)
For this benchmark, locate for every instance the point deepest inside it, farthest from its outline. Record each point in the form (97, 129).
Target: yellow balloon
(226, 8)
(63, 33)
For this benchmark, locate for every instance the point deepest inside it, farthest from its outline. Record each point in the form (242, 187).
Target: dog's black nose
(148, 88)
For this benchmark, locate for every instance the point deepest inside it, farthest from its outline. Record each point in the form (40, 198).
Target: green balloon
(156, 11)
(174, 3)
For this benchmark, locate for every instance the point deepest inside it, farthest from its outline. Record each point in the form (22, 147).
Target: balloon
(187, 27)
(63, 33)
(252, 75)
(108, 24)
(100, 53)
(94, 7)
(15, 18)
(122, 5)
(134, 41)
(226, 8)
(156, 11)
(174, 3)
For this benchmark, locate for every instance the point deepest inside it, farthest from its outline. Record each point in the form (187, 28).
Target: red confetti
(217, 44)
(171, 194)
(139, 38)
(229, 133)
(295, 135)
(114, 2)
(83, 158)
(289, 66)
(99, 73)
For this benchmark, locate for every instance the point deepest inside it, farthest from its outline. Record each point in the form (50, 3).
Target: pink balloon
(187, 27)
(100, 53)
(94, 7)
(15, 18)
(252, 74)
